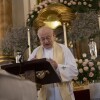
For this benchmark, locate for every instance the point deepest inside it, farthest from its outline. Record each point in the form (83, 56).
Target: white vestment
(15, 88)
(67, 72)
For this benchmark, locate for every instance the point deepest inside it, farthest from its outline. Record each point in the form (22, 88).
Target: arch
(63, 14)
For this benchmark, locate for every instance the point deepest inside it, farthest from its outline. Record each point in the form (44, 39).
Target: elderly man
(63, 62)
(15, 88)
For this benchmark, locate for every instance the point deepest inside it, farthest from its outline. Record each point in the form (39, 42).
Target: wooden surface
(82, 94)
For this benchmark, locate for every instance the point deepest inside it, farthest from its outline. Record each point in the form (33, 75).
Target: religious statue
(92, 47)
(18, 56)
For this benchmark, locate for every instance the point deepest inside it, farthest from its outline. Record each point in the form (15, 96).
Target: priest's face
(46, 39)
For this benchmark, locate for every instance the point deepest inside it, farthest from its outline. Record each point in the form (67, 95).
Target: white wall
(20, 11)
(17, 13)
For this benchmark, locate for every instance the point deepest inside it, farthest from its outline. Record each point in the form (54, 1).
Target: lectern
(44, 72)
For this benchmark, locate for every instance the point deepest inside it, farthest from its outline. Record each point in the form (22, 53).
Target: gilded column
(39, 1)
(5, 20)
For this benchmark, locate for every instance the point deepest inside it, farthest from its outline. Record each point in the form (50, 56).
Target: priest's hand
(53, 63)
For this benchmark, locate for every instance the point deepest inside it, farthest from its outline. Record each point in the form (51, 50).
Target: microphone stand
(21, 57)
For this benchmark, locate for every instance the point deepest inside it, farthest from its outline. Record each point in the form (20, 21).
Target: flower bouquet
(89, 69)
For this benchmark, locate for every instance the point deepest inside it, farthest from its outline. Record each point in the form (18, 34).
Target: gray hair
(45, 29)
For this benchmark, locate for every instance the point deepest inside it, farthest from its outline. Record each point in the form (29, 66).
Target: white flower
(92, 69)
(91, 64)
(74, 3)
(84, 55)
(81, 70)
(84, 79)
(86, 60)
(89, 5)
(84, 63)
(98, 63)
(65, 2)
(69, 3)
(28, 20)
(91, 74)
(80, 61)
(84, 3)
(32, 16)
(79, 3)
(86, 68)
(61, 1)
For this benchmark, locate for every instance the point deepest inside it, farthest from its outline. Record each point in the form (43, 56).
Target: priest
(63, 62)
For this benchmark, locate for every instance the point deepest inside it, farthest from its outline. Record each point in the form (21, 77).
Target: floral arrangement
(87, 26)
(75, 5)
(89, 69)
(16, 40)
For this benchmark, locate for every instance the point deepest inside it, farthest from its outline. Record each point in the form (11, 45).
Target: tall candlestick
(29, 40)
(99, 20)
(65, 34)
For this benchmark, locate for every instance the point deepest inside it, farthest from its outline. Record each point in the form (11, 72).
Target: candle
(65, 36)
(29, 40)
(99, 20)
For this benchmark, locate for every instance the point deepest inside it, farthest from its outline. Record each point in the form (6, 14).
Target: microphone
(22, 53)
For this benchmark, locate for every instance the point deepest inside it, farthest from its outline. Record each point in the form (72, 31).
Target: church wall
(20, 10)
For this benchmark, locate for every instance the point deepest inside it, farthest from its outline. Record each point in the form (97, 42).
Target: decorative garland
(76, 5)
